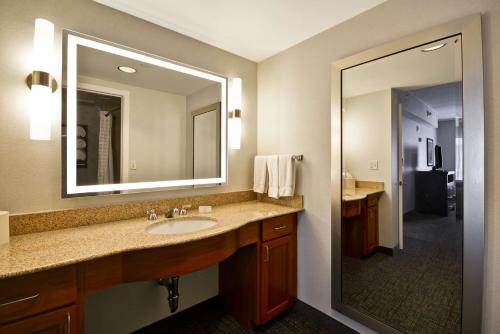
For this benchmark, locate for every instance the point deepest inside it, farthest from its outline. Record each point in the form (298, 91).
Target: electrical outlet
(373, 164)
(133, 165)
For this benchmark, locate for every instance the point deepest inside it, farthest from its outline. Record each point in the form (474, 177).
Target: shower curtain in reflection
(105, 155)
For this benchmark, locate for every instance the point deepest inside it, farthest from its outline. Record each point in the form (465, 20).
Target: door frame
(473, 112)
(190, 141)
(124, 95)
(400, 181)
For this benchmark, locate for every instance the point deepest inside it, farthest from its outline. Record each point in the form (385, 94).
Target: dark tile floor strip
(210, 318)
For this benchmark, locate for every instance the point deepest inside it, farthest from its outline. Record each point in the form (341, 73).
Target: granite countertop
(360, 193)
(34, 252)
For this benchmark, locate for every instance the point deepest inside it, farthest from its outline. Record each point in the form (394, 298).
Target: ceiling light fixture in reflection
(434, 47)
(127, 69)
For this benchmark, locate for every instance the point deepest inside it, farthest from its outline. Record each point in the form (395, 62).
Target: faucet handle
(184, 209)
(152, 214)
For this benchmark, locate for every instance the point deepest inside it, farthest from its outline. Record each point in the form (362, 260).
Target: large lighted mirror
(401, 223)
(404, 267)
(132, 121)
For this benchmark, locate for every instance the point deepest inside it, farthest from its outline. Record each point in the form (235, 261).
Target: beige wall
(30, 171)
(157, 133)
(154, 118)
(294, 95)
(135, 305)
(367, 136)
(200, 99)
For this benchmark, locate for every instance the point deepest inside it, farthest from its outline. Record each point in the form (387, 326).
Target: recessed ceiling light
(434, 47)
(127, 69)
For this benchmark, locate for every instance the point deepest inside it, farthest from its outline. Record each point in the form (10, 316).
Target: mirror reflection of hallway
(402, 195)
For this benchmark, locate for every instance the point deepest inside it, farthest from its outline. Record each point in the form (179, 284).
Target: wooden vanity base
(360, 226)
(257, 278)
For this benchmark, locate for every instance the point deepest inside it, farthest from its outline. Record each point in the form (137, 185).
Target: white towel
(273, 173)
(260, 174)
(286, 173)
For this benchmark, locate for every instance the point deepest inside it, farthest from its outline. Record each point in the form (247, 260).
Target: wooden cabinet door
(371, 230)
(60, 321)
(278, 276)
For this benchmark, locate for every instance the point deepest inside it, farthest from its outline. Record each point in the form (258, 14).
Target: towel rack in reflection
(298, 157)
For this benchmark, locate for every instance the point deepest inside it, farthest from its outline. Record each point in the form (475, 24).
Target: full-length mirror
(402, 193)
(134, 121)
(408, 183)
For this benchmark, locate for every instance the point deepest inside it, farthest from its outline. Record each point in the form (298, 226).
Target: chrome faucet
(184, 210)
(170, 213)
(152, 215)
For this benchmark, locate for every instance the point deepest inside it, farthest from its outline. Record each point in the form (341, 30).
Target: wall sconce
(41, 83)
(235, 115)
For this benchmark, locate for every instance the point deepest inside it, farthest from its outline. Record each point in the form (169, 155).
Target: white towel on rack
(286, 183)
(273, 174)
(260, 174)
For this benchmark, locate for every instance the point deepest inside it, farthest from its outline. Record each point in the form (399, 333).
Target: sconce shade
(235, 133)
(43, 46)
(40, 113)
(235, 114)
(41, 82)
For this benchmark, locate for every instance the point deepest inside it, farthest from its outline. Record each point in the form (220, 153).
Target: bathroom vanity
(45, 277)
(360, 223)
(56, 259)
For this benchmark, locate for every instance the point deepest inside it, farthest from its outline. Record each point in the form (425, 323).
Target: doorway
(430, 128)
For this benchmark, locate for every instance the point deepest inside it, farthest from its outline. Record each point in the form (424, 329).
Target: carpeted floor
(209, 318)
(418, 290)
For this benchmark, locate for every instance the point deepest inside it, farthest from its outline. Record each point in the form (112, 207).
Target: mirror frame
(473, 113)
(71, 41)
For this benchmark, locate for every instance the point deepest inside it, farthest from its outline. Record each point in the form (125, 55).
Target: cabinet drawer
(60, 321)
(351, 208)
(277, 227)
(35, 293)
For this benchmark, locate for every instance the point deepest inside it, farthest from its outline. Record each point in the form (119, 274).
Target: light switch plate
(373, 164)
(133, 165)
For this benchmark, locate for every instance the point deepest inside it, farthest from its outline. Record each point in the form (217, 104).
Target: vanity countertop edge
(34, 252)
(361, 193)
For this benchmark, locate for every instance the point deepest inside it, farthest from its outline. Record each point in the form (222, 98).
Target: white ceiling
(254, 29)
(407, 70)
(445, 99)
(102, 65)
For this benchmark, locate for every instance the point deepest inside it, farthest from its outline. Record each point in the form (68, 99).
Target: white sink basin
(181, 225)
